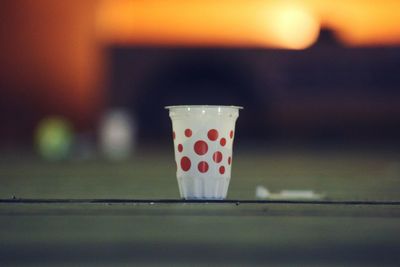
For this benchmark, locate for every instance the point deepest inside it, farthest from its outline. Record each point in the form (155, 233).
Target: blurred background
(305, 71)
(89, 79)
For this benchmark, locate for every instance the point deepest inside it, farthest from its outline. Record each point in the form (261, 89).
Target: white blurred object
(303, 194)
(117, 135)
(262, 192)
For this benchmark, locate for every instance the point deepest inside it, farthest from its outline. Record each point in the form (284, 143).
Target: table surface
(357, 224)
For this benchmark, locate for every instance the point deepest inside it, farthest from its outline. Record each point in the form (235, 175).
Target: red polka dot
(185, 164)
(212, 134)
(229, 160)
(222, 141)
(180, 148)
(173, 135)
(200, 147)
(231, 134)
(217, 157)
(188, 133)
(222, 170)
(203, 166)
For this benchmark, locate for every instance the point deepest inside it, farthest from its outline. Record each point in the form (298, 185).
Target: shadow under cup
(203, 138)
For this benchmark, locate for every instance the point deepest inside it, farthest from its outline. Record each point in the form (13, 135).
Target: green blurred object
(53, 138)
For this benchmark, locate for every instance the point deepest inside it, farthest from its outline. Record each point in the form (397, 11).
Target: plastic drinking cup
(203, 138)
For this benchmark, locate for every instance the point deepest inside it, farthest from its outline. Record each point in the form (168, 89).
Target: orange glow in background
(52, 52)
(284, 24)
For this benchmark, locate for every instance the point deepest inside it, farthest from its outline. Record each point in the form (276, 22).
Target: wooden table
(110, 214)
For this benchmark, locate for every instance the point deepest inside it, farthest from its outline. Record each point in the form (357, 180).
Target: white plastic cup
(203, 138)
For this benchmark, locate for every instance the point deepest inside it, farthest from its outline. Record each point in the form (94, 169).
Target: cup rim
(202, 106)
